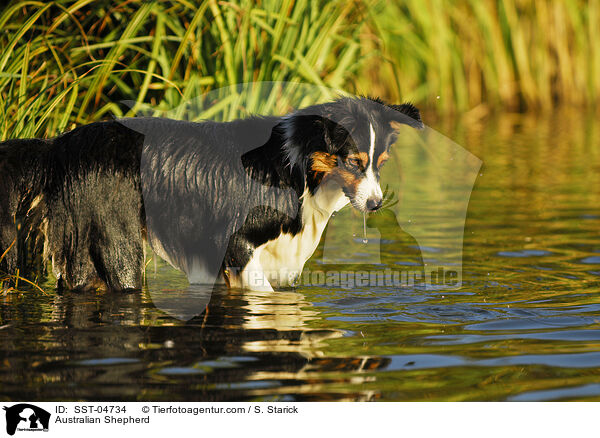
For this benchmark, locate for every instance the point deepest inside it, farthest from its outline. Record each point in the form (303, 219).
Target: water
(525, 325)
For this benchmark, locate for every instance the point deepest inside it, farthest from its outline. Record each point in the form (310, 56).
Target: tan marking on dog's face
(346, 179)
(383, 157)
(323, 162)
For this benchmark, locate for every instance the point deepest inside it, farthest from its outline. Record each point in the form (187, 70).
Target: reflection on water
(524, 326)
(109, 346)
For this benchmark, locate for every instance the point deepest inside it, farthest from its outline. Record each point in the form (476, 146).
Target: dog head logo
(26, 417)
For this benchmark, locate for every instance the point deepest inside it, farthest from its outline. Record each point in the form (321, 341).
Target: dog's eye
(354, 162)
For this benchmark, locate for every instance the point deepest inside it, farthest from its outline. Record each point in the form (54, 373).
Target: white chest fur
(279, 262)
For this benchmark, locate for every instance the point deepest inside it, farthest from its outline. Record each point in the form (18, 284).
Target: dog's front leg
(253, 277)
(242, 267)
(256, 281)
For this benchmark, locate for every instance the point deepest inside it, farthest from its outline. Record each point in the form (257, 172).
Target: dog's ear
(406, 114)
(305, 134)
(336, 133)
(299, 133)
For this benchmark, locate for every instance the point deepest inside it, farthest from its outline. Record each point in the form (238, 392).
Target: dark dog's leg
(112, 259)
(119, 261)
(8, 245)
(71, 261)
(8, 230)
(96, 242)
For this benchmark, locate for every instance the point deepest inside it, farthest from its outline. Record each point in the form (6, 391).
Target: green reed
(520, 54)
(70, 62)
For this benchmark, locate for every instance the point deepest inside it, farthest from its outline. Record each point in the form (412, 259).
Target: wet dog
(244, 202)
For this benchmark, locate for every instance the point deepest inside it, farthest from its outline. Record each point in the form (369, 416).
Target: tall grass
(70, 62)
(520, 54)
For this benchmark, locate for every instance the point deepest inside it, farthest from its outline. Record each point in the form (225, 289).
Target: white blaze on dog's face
(368, 196)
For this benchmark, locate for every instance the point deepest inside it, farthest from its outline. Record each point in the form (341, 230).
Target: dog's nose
(374, 204)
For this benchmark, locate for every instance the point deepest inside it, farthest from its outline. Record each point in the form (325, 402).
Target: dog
(243, 202)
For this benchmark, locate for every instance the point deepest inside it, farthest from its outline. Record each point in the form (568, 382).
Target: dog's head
(346, 141)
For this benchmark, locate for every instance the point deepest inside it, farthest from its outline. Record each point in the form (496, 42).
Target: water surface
(524, 326)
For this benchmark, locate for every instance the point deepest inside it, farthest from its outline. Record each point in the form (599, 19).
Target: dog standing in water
(244, 201)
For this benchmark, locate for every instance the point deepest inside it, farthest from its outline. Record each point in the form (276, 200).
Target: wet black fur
(89, 210)
(207, 193)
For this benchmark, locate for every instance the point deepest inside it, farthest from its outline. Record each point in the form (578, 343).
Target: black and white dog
(244, 201)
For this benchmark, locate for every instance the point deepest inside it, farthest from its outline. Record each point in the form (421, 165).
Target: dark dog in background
(245, 201)
(75, 200)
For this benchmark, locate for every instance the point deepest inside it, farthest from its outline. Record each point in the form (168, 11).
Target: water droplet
(365, 240)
